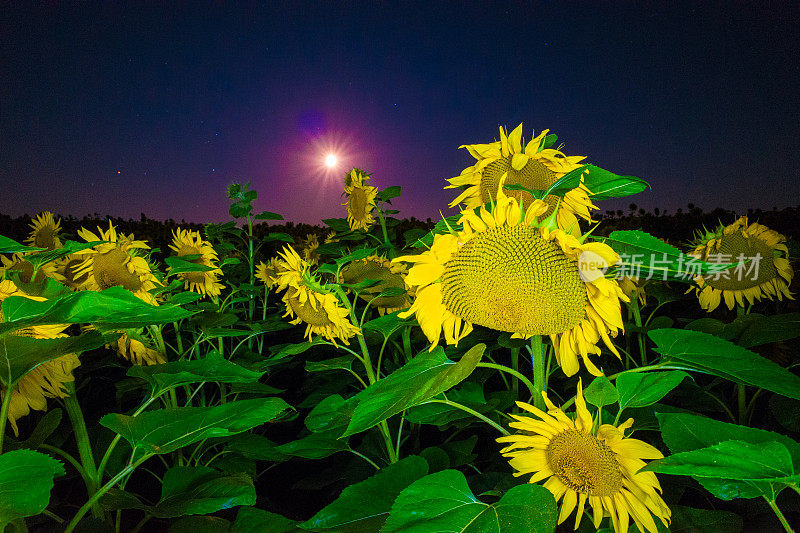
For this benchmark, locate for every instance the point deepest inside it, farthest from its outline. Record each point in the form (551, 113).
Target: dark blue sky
(129, 108)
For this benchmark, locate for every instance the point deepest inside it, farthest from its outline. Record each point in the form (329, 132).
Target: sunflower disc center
(45, 238)
(111, 270)
(534, 175)
(512, 279)
(309, 315)
(731, 247)
(584, 463)
(358, 202)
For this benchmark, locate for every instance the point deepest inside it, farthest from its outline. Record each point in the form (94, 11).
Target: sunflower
(310, 302)
(633, 287)
(47, 379)
(309, 247)
(266, 272)
(580, 464)
(507, 271)
(389, 276)
(114, 263)
(45, 231)
(188, 242)
(26, 270)
(534, 167)
(360, 200)
(65, 272)
(136, 351)
(762, 271)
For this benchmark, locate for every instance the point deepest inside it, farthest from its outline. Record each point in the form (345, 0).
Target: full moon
(330, 160)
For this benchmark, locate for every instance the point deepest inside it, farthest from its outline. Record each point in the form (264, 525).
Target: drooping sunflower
(389, 276)
(532, 166)
(762, 271)
(360, 200)
(190, 243)
(508, 271)
(65, 272)
(18, 263)
(309, 247)
(44, 232)
(308, 301)
(136, 351)
(47, 379)
(581, 464)
(115, 263)
(633, 287)
(267, 272)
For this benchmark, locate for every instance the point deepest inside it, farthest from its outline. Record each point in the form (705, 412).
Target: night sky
(125, 109)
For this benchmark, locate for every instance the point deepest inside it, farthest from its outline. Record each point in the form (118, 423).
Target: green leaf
(388, 193)
(268, 215)
(19, 355)
(731, 459)
(422, 378)
(686, 432)
(440, 414)
(166, 430)
(253, 520)
(601, 392)
(213, 367)
(254, 446)
(315, 445)
(40, 258)
(386, 324)
(549, 140)
(337, 363)
(690, 520)
(184, 263)
(189, 490)
(646, 256)
(333, 412)
(44, 428)
(640, 389)
(766, 329)
(339, 225)
(707, 353)
(443, 502)
(786, 411)
(363, 507)
(603, 184)
(111, 308)
(26, 479)
(206, 524)
(10, 246)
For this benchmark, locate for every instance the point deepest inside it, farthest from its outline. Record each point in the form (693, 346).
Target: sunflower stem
(637, 319)
(515, 366)
(537, 358)
(252, 304)
(6, 405)
(779, 514)
(514, 373)
(81, 435)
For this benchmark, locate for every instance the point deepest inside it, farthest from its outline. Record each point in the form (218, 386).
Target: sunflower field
(514, 369)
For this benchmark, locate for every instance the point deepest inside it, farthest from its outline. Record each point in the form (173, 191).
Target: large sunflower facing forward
(533, 167)
(190, 243)
(507, 271)
(267, 272)
(115, 264)
(389, 277)
(308, 301)
(47, 379)
(762, 271)
(580, 465)
(44, 232)
(360, 200)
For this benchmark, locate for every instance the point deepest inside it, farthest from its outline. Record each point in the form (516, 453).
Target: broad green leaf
(253, 520)
(10, 246)
(19, 355)
(710, 354)
(116, 499)
(603, 184)
(363, 507)
(686, 432)
(188, 490)
(690, 520)
(643, 255)
(766, 329)
(44, 428)
(26, 479)
(786, 411)
(355, 255)
(731, 459)
(206, 524)
(337, 363)
(166, 430)
(422, 378)
(443, 502)
(339, 225)
(40, 258)
(213, 367)
(439, 414)
(268, 215)
(315, 445)
(333, 412)
(640, 389)
(184, 263)
(601, 392)
(111, 308)
(388, 193)
(387, 324)
(254, 446)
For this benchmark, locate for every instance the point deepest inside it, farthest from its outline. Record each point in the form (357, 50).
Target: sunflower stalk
(84, 444)
(4, 415)
(537, 358)
(779, 514)
(516, 374)
(637, 319)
